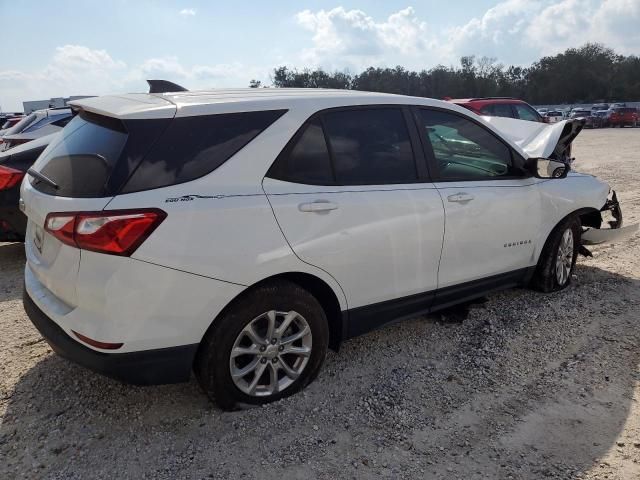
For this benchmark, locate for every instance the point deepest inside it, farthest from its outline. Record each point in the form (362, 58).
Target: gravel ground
(524, 386)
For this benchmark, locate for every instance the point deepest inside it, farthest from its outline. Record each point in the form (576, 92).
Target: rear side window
(370, 147)
(192, 147)
(497, 110)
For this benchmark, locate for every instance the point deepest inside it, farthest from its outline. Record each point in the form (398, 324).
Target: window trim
(419, 157)
(516, 160)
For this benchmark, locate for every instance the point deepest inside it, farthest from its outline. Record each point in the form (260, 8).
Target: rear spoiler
(164, 86)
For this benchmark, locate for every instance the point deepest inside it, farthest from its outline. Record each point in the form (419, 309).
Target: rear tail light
(9, 177)
(116, 232)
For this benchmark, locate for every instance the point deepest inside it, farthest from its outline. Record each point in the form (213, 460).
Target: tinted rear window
(82, 160)
(99, 156)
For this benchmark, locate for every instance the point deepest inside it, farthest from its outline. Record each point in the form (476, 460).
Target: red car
(621, 116)
(500, 107)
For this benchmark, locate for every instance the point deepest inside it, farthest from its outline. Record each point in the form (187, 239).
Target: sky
(90, 47)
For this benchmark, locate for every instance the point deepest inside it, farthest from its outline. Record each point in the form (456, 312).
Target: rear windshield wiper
(43, 178)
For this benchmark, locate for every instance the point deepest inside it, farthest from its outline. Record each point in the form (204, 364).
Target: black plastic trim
(148, 367)
(361, 320)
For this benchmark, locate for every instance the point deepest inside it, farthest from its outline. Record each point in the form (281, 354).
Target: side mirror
(546, 168)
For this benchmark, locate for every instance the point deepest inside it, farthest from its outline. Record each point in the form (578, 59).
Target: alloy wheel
(270, 353)
(564, 258)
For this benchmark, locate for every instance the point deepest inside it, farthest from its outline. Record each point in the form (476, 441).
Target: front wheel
(268, 345)
(558, 257)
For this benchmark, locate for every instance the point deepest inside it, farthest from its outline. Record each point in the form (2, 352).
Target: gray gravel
(523, 386)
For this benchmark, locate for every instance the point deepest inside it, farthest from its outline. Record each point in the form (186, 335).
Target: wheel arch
(317, 287)
(588, 216)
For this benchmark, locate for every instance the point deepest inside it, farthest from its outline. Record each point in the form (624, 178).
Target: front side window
(525, 112)
(463, 150)
(370, 146)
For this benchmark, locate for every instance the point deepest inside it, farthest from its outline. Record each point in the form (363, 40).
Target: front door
(492, 207)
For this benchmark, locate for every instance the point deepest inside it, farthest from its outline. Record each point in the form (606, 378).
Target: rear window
(99, 156)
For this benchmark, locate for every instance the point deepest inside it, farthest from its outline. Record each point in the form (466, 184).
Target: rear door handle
(461, 197)
(317, 206)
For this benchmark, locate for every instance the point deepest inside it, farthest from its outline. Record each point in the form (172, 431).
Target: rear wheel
(558, 257)
(268, 345)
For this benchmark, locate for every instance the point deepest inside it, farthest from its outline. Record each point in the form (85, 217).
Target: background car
(623, 116)
(500, 107)
(553, 116)
(13, 165)
(599, 106)
(590, 120)
(37, 124)
(603, 115)
(8, 122)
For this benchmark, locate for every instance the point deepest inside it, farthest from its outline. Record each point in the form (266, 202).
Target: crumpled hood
(538, 140)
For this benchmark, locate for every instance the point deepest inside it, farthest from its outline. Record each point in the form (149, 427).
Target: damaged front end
(609, 217)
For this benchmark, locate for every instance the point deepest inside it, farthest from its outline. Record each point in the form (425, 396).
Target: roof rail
(164, 86)
(493, 98)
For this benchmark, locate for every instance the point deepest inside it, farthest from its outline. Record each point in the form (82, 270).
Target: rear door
(351, 199)
(492, 208)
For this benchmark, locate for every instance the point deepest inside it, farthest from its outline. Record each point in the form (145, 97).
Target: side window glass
(498, 110)
(308, 161)
(464, 150)
(526, 113)
(370, 147)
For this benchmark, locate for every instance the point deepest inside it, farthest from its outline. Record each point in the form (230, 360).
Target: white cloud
(513, 31)
(188, 12)
(357, 40)
(79, 70)
(571, 23)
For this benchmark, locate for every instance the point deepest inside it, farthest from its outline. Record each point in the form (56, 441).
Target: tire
(552, 274)
(213, 364)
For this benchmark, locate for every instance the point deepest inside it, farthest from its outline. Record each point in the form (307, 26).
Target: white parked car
(240, 233)
(35, 125)
(553, 116)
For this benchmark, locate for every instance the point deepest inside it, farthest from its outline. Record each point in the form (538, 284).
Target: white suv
(240, 233)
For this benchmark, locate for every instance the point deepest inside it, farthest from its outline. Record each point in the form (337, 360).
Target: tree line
(587, 74)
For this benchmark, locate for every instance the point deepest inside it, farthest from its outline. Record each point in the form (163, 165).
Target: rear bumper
(148, 367)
